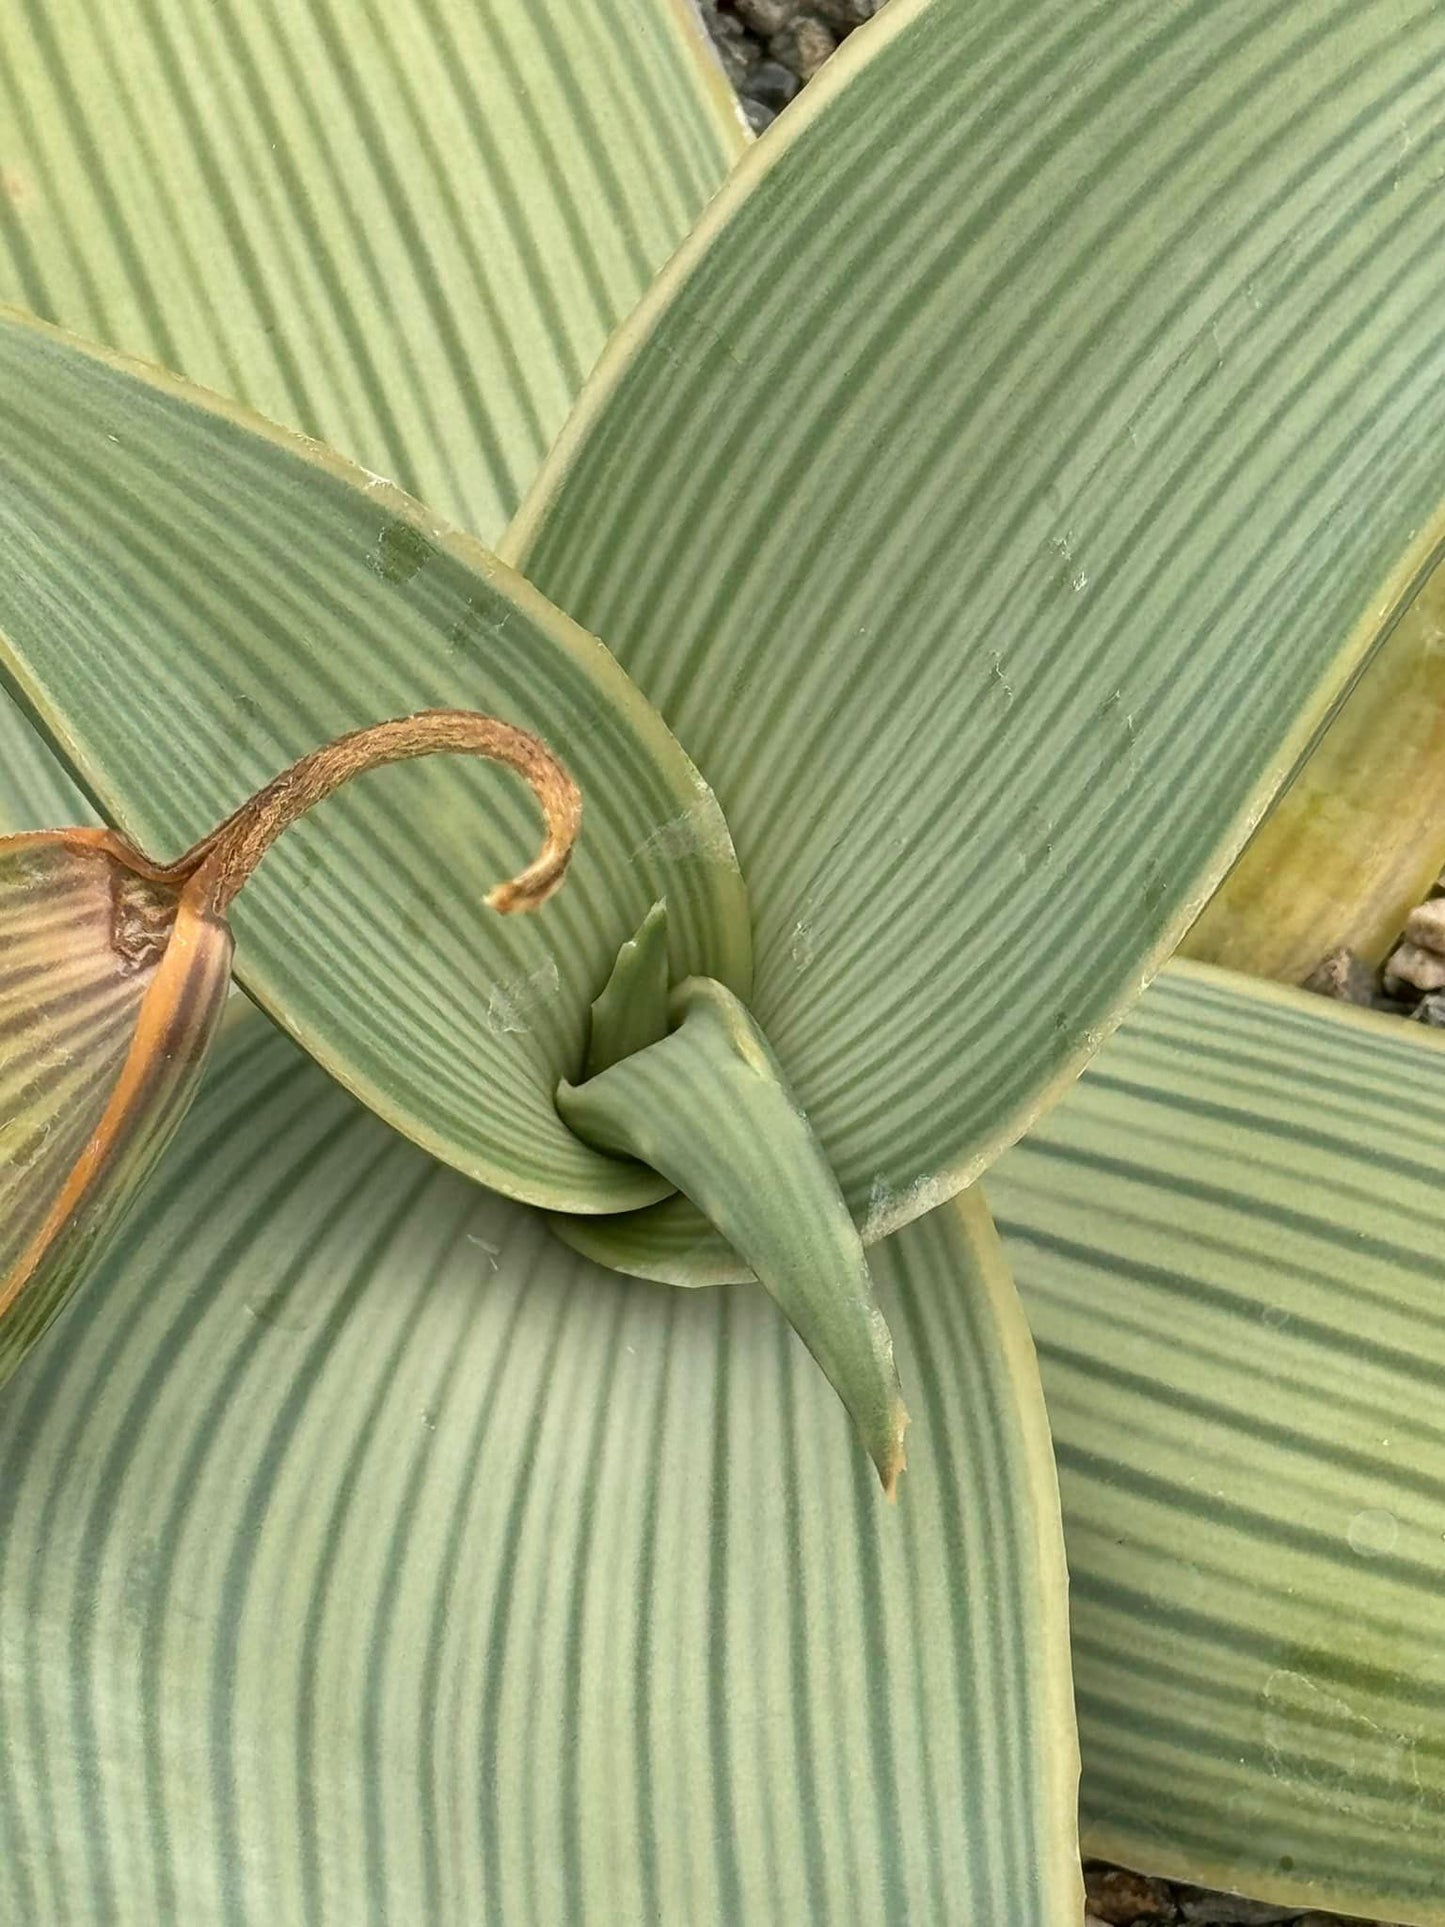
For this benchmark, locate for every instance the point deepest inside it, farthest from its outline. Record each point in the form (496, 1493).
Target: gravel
(1117, 1898)
(1410, 982)
(769, 49)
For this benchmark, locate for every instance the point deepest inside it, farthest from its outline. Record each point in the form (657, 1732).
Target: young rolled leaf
(708, 1107)
(113, 974)
(190, 598)
(1228, 1240)
(366, 1556)
(630, 1011)
(995, 494)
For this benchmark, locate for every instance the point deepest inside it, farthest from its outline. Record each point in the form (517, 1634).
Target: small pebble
(1426, 926)
(1345, 977)
(803, 46)
(772, 85)
(757, 40)
(1431, 1010)
(766, 16)
(1412, 965)
(730, 40)
(1123, 1899)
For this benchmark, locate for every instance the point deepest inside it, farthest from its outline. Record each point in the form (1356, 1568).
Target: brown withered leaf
(112, 982)
(114, 971)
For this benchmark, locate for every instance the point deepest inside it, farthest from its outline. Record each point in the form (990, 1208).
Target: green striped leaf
(190, 599)
(366, 1556)
(35, 791)
(1228, 1239)
(996, 492)
(708, 1107)
(406, 229)
(630, 1010)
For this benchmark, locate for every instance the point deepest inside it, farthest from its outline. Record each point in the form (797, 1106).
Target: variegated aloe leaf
(35, 791)
(366, 1556)
(995, 493)
(191, 598)
(1228, 1239)
(111, 987)
(406, 229)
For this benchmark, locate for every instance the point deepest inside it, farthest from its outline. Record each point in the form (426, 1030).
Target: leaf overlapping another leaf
(110, 993)
(1358, 838)
(407, 230)
(995, 493)
(1228, 1241)
(190, 598)
(407, 1567)
(995, 497)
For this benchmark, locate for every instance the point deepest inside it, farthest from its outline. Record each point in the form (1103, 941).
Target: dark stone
(771, 85)
(1431, 1010)
(759, 116)
(1123, 1899)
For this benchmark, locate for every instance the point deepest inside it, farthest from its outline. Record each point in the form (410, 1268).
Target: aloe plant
(419, 1511)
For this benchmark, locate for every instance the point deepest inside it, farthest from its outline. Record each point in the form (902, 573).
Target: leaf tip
(892, 1460)
(531, 889)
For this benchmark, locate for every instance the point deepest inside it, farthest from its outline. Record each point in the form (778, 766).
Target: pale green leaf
(189, 599)
(630, 1010)
(404, 228)
(366, 1556)
(708, 1106)
(35, 791)
(995, 493)
(1228, 1239)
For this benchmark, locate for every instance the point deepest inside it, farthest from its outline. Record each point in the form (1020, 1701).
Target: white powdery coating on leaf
(892, 1206)
(511, 1004)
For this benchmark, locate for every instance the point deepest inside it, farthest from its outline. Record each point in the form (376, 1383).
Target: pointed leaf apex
(892, 1461)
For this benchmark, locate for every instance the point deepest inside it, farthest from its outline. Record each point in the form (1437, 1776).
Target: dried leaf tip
(894, 1463)
(114, 971)
(231, 853)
